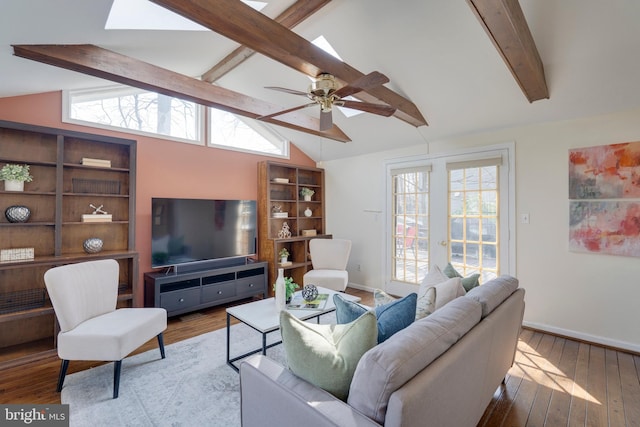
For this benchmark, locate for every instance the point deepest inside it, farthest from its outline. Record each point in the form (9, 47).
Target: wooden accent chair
(84, 298)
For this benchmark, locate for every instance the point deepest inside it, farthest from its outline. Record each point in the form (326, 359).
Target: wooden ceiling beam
(507, 28)
(241, 23)
(292, 16)
(103, 63)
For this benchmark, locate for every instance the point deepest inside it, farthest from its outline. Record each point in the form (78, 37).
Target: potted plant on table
(284, 255)
(290, 288)
(14, 176)
(306, 193)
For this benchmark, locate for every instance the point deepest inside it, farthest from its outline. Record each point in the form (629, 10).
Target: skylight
(144, 15)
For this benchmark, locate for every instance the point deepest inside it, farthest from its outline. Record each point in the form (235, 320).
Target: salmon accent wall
(164, 168)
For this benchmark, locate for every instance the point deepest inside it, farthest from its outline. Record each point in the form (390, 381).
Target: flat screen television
(190, 230)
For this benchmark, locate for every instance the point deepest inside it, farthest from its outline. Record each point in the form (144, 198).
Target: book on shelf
(299, 303)
(97, 218)
(86, 161)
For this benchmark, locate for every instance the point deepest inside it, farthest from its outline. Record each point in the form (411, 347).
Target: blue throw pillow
(391, 317)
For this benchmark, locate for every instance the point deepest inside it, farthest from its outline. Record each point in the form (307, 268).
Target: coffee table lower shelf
(263, 349)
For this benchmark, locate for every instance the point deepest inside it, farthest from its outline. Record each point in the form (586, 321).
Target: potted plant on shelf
(14, 176)
(284, 255)
(307, 193)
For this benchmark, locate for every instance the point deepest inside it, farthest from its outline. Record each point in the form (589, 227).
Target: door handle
(443, 243)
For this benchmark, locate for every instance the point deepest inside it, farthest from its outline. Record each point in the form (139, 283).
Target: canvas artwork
(607, 227)
(605, 172)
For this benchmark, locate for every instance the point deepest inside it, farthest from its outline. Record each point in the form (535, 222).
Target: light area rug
(192, 386)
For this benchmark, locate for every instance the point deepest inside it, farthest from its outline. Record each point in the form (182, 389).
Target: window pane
(489, 177)
(138, 110)
(229, 130)
(472, 179)
(489, 202)
(472, 203)
(455, 202)
(473, 220)
(456, 180)
(489, 230)
(411, 226)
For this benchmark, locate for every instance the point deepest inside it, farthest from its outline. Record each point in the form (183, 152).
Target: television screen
(188, 230)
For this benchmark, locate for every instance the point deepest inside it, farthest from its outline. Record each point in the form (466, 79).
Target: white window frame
(202, 117)
(262, 129)
(113, 90)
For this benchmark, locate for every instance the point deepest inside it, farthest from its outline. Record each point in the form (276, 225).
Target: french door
(454, 209)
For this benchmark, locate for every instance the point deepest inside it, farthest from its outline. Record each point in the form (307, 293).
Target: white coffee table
(263, 317)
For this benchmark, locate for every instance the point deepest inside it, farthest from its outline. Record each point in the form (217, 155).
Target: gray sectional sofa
(440, 371)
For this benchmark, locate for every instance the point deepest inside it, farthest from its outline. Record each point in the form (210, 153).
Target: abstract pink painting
(605, 172)
(606, 227)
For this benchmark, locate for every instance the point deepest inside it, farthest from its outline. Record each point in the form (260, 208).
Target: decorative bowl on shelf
(17, 213)
(92, 245)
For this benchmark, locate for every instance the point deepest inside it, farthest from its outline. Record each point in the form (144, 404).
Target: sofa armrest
(272, 395)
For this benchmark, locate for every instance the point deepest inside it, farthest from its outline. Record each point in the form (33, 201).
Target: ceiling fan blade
(368, 81)
(269, 38)
(326, 120)
(284, 89)
(279, 113)
(379, 109)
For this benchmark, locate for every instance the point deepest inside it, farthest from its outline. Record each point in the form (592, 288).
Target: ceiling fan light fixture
(324, 85)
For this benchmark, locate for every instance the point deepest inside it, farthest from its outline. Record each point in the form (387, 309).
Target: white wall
(586, 296)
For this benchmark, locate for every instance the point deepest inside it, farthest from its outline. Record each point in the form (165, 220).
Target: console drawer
(219, 291)
(178, 300)
(250, 285)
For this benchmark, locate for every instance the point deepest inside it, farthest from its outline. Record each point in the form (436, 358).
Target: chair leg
(161, 344)
(116, 377)
(63, 373)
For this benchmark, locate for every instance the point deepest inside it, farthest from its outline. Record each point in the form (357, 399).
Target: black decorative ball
(17, 213)
(309, 292)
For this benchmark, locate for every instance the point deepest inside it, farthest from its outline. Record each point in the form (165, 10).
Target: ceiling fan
(325, 91)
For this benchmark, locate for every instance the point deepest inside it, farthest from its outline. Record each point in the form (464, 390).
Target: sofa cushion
(380, 297)
(327, 355)
(425, 303)
(388, 366)
(448, 291)
(491, 294)
(468, 282)
(391, 317)
(438, 286)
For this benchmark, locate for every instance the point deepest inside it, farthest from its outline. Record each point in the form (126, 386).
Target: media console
(184, 291)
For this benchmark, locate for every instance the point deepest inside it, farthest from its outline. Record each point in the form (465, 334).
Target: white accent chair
(329, 258)
(84, 298)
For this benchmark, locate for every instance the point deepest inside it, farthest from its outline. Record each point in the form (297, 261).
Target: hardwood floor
(554, 381)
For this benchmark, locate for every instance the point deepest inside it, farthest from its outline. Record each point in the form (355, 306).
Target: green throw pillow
(327, 355)
(391, 317)
(468, 283)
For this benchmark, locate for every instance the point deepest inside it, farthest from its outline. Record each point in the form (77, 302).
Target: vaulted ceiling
(464, 66)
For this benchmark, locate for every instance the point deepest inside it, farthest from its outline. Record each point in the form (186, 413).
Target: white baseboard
(359, 287)
(623, 345)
